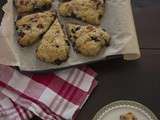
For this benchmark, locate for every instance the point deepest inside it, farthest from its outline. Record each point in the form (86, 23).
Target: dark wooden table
(136, 80)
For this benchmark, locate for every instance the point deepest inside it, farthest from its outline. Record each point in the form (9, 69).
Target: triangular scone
(54, 47)
(31, 27)
(23, 6)
(90, 11)
(88, 40)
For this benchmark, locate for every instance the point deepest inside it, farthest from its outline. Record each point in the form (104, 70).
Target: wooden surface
(137, 80)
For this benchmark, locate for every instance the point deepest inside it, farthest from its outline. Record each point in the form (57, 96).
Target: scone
(31, 27)
(54, 47)
(128, 116)
(31, 5)
(90, 11)
(88, 40)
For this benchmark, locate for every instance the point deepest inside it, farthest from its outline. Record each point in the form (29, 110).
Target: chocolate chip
(19, 17)
(17, 28)
(104, 29)
(57, 46)
(77, 28)
(122, 117)
(70, 36)
(134, 118)
(21, 44)
(27, 27)
(40, 26)
(67, 42)
(100, 16)
(14, 2)
(107, 44)
(20, 33)
(95, 38)
(41, 35)
(47, 6)
(73, 31)
(22, 2)
(75, 37)
(58, 62)
(62, 26)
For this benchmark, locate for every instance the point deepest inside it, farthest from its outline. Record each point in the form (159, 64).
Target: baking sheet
(118, 21)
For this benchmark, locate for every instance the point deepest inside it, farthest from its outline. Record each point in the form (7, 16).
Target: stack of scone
(38, 23)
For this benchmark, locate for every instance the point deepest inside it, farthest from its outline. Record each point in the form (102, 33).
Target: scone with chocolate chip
(88, 40)
(128, 116)
(32, 5)
(31, 27)
(54, 47)
(90, 11)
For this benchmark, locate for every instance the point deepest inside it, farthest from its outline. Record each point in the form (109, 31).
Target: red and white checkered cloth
(51, 96)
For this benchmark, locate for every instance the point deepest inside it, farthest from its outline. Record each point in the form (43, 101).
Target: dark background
(135, 80)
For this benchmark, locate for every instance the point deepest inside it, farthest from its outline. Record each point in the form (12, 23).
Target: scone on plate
(88, 40)
(54, 47)
(128, 116)
(23, 6)
(90, 11)
(31, 27)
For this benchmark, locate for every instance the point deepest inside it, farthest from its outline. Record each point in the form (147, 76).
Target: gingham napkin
(51, 96)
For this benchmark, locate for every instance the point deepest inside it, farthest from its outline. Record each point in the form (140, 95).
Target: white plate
(115, 109)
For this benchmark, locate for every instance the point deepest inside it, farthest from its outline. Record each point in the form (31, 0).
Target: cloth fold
(51, 96)
(12, 111)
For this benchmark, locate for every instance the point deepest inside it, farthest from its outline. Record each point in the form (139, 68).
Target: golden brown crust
(90, 11)
(54, 47)
(32, 5)
(88, 40)
(30, 28)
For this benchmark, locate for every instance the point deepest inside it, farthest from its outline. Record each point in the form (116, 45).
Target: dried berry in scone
(88, 40)
(31, 27)
(23, 6)
(90, 11)
(54, 47)
(128, 116)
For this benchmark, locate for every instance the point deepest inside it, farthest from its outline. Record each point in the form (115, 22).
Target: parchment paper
(118, 21)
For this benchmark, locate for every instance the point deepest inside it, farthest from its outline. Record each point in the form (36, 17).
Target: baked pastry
(88, 40)
(31, 27)
(31, 5)
(54, 47)
(128, 116)
(90, 11)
